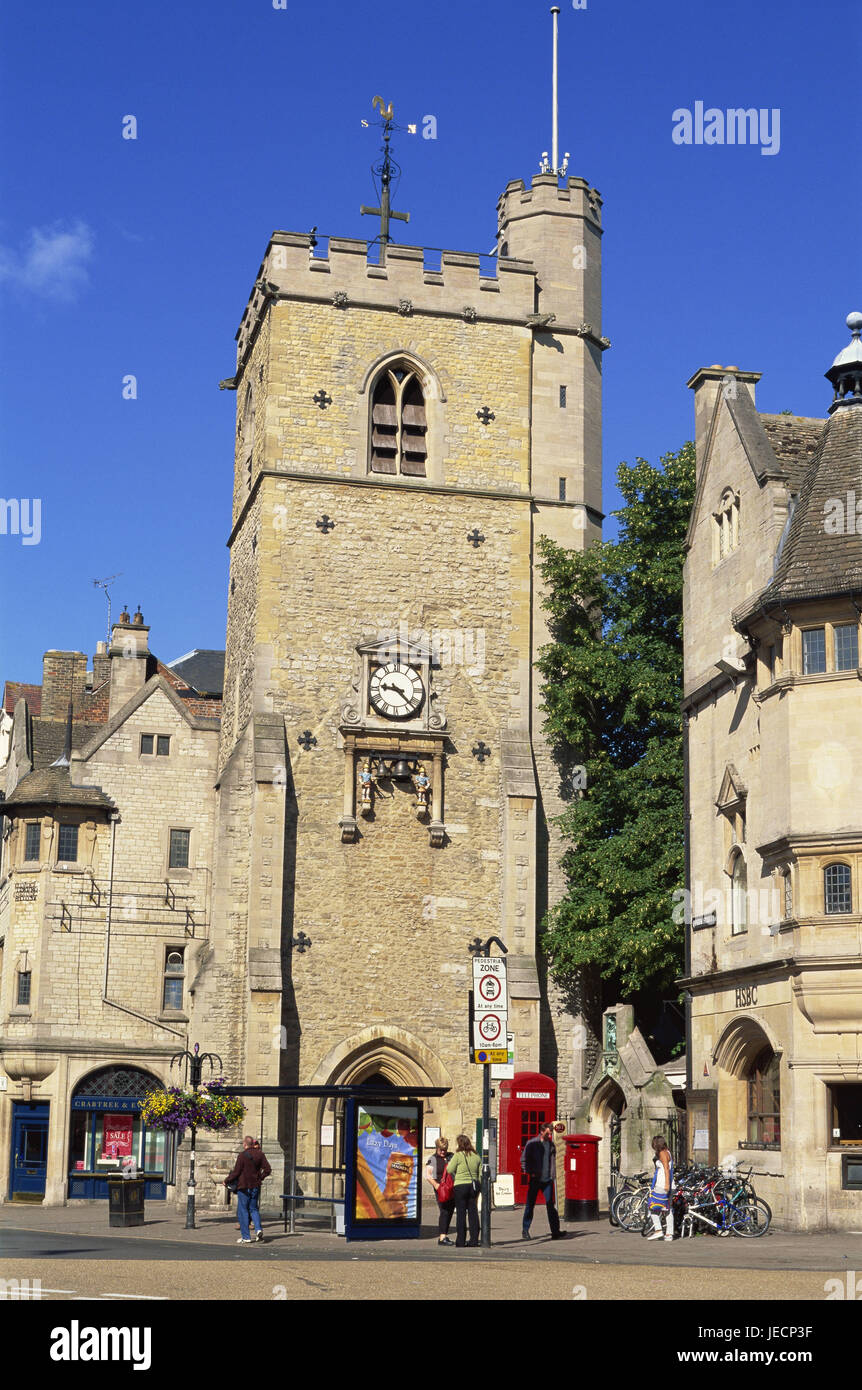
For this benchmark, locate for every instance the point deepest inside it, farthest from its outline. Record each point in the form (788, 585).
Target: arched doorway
(105, 1126)
(607, 1118)
(382, 1057)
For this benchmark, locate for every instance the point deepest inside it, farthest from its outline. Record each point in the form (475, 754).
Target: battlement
(575, 199)
(414, 280)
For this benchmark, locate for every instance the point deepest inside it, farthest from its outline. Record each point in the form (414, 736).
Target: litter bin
(126, 1201)
(582, 1177)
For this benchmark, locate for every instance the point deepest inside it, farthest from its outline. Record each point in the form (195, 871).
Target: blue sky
(136, 257)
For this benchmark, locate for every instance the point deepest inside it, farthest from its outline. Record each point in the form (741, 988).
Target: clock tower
(408, 426)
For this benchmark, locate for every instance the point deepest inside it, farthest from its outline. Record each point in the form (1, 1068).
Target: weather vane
(384, 171)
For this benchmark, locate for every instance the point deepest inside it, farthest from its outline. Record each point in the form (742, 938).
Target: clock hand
(397, 688)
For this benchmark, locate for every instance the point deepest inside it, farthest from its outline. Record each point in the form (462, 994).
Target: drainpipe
(156, 1023)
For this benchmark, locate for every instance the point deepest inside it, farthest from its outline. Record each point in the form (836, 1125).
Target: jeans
(547, 1190)
(466, 1209)
(247, 1206)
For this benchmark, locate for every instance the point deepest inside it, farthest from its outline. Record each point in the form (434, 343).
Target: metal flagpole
(555, 147)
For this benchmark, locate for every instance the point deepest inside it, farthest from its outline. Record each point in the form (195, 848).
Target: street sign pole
(485, 1231)
(488, 1027)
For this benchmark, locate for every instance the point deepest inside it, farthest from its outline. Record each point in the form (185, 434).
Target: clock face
(396, 690)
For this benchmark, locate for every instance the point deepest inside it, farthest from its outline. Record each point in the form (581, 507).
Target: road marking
(153, 1297)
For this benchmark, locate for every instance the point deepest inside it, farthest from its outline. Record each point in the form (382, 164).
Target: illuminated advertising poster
(385, 1149)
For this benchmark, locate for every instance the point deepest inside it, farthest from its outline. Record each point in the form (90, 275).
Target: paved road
(467, 1276)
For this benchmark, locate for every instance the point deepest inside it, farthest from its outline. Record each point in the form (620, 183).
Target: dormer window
(398, 423)
(726, 525)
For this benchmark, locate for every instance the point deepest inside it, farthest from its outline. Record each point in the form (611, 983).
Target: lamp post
(479, 948)
(192, 1064)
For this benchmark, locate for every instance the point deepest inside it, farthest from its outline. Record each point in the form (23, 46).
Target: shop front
(106, 1132)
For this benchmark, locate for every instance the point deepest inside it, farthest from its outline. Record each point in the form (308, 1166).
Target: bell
(401, 771)
(382, 770)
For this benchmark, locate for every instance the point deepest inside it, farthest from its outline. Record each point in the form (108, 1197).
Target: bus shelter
(376, 1146)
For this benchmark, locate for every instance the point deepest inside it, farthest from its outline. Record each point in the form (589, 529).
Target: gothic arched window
(398, 423)
(727, 524)
(739, 896)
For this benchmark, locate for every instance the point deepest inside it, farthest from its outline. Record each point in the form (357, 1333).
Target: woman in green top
(466, 1168)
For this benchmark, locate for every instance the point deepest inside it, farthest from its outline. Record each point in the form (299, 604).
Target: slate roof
(202, 669)
(795, 440)
(815, 563)
(52, 787)
(49, 739)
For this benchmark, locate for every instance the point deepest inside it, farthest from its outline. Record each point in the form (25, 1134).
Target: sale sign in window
(117, 1136)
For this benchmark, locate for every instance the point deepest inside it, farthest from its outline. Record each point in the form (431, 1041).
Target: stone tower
(405, 433)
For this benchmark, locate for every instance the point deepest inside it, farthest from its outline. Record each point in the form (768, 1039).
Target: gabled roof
(755, 442)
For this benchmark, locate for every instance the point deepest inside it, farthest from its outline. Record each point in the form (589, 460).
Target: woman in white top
(660, 1190)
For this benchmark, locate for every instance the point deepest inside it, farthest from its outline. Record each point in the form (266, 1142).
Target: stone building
(105, 901)
(773, 581)
(406, 432)
(291, 875)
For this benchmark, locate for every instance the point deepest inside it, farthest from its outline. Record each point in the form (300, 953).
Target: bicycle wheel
(750, 1219)
(619, 1199)
(631, 1214)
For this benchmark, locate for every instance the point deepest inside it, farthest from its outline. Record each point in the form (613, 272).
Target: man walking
(248, 1172)
(539, 1162)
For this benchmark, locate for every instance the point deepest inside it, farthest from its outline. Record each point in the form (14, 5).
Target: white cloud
(54, 263)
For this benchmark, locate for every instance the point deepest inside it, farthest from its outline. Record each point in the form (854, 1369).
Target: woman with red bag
(444, 1188)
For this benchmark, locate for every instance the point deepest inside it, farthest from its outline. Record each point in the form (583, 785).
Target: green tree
(612, 683)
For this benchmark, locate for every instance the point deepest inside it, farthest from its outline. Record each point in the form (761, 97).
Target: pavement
(84, 1229)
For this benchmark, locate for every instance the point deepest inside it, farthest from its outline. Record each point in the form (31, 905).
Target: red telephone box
(525, 1102)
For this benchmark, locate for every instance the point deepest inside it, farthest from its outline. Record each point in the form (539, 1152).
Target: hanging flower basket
(179, 1108)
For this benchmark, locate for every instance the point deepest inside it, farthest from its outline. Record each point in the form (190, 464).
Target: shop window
(845, 1107)
(837, 891)
(33, 841)
(764, 1101)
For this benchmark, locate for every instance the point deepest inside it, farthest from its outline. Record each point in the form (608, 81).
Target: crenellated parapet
(413, 281)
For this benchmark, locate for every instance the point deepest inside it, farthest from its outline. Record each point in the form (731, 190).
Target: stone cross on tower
(385, 169)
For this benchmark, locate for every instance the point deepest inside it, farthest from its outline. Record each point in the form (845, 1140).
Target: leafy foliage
(178, 1107)
(612, 683)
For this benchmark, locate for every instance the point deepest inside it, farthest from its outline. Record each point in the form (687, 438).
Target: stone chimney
(128, 655)
(707, 384)
(101, 665)
(64, 675)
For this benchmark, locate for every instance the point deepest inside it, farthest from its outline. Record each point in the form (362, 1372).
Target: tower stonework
(405, 434)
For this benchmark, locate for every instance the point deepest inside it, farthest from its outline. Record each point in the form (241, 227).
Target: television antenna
(103, 584)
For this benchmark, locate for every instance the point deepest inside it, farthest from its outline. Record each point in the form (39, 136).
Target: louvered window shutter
(398, 425)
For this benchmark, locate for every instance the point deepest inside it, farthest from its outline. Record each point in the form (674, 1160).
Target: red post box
(582, 1177)
(526, 1101)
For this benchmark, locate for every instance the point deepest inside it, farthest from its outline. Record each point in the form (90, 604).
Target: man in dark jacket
(248, 1172)
(539, 1162)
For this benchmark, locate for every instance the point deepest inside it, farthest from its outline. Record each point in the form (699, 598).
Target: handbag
(446, 1187)
(232, 1186)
